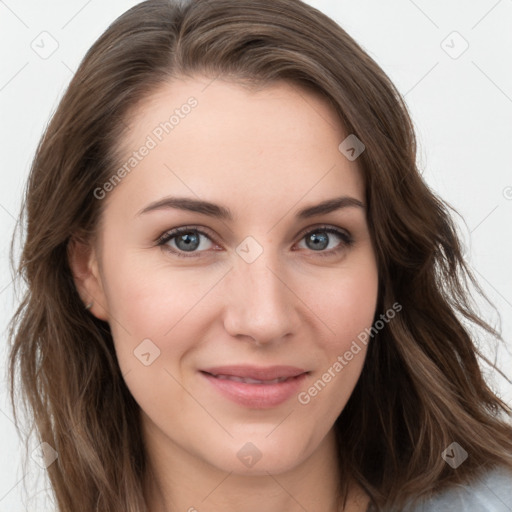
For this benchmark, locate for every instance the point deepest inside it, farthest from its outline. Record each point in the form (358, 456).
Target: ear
(84, 265)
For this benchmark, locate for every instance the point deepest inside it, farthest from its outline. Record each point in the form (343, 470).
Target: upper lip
(255, 372)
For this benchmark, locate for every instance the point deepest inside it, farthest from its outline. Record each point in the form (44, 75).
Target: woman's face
(261, 285)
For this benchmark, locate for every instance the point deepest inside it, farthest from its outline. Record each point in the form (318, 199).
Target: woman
(241, 294)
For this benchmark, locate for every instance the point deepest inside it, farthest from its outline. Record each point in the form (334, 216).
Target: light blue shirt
(491, 492)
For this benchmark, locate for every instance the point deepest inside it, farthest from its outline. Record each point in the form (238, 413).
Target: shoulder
(490, 492)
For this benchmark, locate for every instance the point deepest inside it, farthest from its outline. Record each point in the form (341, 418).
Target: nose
(260, 304)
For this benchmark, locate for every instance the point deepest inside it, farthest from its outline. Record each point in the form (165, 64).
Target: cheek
(145, 293)
(151, 309)
(149, 299)
(348, 302)
(348, 309)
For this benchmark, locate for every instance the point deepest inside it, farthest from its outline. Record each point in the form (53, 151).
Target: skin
(265, 155)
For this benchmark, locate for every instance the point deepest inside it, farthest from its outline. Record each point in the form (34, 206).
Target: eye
(187, 239)
(183, 240)
(318, 239)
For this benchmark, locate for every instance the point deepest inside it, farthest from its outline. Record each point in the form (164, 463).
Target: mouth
(256, 388)
(248, 380)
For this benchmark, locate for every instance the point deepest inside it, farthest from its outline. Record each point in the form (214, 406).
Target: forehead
(212, 138)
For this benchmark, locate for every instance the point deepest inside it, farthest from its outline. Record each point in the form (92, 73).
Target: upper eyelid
(174, 232)
(319, 227)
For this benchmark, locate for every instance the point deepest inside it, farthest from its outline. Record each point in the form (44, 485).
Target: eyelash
(347, 240)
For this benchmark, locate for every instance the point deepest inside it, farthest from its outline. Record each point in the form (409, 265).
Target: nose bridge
(259, 305)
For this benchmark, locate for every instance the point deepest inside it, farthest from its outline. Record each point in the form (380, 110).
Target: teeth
(248, 380)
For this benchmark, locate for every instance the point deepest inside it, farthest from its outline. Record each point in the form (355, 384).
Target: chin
(259, 454)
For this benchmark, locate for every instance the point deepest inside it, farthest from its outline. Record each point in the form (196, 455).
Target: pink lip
(256, 395)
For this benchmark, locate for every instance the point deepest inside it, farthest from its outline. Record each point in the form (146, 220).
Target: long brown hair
(421, 387)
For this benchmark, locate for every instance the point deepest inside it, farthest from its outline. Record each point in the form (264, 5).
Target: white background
(461, 107)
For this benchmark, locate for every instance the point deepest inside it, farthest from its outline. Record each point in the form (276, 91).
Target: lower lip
(257, 396)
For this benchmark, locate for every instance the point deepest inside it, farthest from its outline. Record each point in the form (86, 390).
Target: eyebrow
(223, 213)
